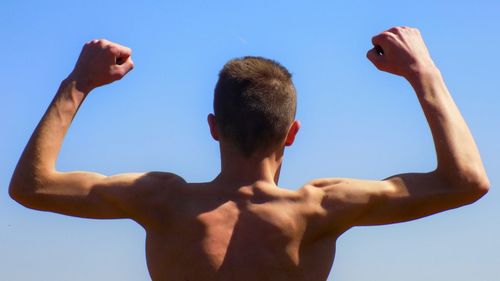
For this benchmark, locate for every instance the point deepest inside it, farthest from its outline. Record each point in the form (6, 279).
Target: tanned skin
(242, 226)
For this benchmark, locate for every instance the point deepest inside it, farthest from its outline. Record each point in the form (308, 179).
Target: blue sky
(356, 121)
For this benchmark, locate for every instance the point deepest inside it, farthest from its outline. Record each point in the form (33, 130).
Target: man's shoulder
(160, 179)
(156, 197)
(315, 190)
(158, 186)
(327, 200)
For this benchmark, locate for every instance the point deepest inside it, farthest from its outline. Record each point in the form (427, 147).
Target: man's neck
(239, 170)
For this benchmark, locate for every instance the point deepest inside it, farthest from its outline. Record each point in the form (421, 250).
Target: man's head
(254, 104)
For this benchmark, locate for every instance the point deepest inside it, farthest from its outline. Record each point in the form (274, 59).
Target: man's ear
(292, 132)
(213, 126)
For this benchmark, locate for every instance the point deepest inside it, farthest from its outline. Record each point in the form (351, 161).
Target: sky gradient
(356, 121)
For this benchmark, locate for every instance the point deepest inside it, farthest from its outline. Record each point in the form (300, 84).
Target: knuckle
(386, 35)
(89, 43)
(111, 49)
(102, 43)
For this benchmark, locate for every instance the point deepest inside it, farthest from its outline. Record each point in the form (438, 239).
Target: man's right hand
(101, 62)
(403, 52)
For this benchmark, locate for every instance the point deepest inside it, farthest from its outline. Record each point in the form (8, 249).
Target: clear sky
(356, 121)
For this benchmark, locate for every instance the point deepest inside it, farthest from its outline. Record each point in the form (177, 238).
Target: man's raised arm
(36, 183)
(459, 178)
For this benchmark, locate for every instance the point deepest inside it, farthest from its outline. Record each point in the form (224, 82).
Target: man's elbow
(471, 184)
(19, 194)
(477, 185)
(24, 193)
(483, 186)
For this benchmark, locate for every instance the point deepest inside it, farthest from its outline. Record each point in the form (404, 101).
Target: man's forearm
(100, 62)
(458, 158)
(39, 157)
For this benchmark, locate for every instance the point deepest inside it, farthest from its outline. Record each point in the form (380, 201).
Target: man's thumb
(122, 69)
(375, 57)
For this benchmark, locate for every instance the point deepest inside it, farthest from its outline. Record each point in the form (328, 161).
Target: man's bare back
(256, 232)
(242, 226)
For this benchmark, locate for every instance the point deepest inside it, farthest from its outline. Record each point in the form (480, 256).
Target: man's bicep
(92, 195)
(399, 198)
(351, 202)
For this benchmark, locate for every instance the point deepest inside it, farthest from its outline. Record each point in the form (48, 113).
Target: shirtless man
(242, 226)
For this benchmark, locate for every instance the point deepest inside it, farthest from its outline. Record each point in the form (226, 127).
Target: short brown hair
(254, 103)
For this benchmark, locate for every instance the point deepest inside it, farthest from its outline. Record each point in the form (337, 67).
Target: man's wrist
(420, 74)
(79, 84)
(427, 83)
(70, 90)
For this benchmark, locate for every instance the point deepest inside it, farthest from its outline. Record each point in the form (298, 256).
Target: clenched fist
(101, 62)
(400, 51)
